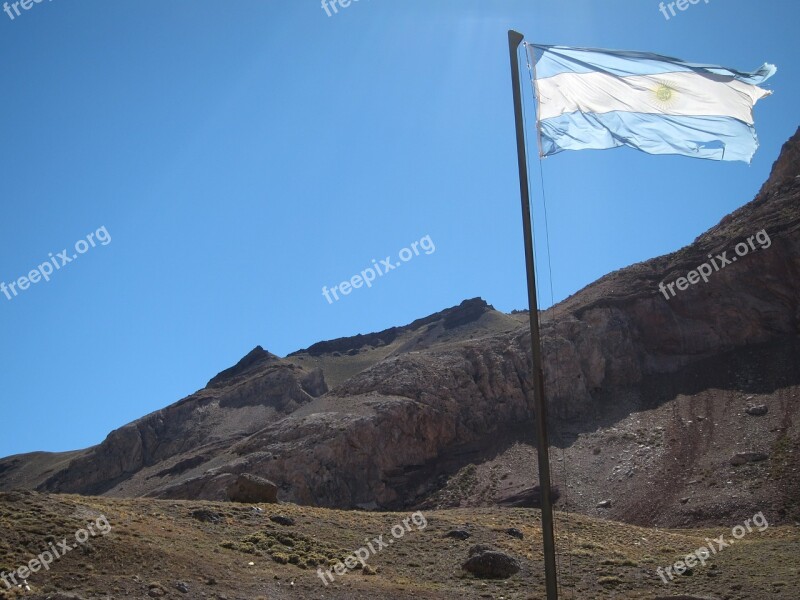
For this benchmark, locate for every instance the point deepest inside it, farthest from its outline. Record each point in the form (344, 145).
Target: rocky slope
(648, 395)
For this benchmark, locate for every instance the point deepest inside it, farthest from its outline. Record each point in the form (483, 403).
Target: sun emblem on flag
(665, 95)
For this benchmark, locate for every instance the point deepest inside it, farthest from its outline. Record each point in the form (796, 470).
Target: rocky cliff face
(411, 406)
(258, 390)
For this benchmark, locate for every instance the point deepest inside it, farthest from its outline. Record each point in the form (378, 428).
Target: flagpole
(540, 403)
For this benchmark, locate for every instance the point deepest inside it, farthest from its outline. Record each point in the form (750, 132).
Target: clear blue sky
(243, 154)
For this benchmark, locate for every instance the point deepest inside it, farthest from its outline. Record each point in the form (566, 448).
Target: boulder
(206, 516)
(528, 498)
(741, 458)
(491, 564)
(252, 489)
(458, 534)
(282, 520)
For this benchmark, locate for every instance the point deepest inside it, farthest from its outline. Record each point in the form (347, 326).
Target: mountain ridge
(396, 418)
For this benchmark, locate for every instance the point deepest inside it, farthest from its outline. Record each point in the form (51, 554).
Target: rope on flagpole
(531, 73)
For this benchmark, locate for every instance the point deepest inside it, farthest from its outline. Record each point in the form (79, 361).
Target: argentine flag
(596, 99)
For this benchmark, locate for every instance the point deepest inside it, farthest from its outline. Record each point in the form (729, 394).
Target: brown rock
(491, 565)
(251, 489)
(528, 498)
(742, 458)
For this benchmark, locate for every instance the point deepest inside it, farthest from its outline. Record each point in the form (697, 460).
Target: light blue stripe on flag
(715, 138)
(553, 60)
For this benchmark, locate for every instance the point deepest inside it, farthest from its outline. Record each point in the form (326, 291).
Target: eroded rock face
(279, 386)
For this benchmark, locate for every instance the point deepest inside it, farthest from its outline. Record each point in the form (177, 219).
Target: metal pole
(540, 403)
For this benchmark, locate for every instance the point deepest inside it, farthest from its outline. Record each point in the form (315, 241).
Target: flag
(596, 99)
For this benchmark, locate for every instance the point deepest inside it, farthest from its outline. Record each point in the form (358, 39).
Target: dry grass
(160, 543)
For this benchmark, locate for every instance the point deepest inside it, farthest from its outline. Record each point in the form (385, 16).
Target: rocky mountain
(670, 406)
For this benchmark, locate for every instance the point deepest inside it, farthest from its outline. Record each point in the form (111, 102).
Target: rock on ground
(252, 489)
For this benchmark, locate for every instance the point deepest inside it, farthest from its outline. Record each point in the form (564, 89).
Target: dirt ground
(185, 549)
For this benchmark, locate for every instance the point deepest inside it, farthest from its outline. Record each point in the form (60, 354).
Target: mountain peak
(466, 312)
(257, 356)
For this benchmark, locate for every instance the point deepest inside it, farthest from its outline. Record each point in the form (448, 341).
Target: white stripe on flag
(676, 93)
